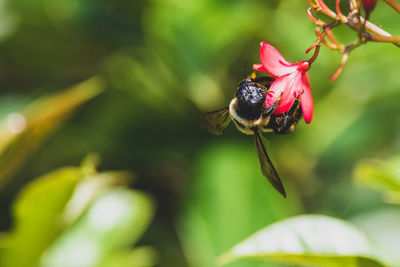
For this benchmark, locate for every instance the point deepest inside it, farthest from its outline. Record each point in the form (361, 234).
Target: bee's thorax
(251, 98)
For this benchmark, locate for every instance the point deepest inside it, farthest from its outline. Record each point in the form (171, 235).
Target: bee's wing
(267, 168)
(216, 121)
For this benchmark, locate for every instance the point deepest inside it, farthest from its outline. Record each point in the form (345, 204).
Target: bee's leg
(286, 126)
(268, 111)
(285, 123)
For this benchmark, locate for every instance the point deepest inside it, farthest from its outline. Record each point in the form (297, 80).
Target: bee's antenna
(246, 63)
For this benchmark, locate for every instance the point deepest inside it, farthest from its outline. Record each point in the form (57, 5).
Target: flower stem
(315, 55)
(312, 3)
(317, 22)
(368, 25)
(338, 11)
(325, 9)
(318, 42)
(365, 30)
(330, 35)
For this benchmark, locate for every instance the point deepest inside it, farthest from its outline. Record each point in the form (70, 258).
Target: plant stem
(338, 11)
(378, 31)
(387, 39)
(393, 4)
(315, 55)
(325, 9)
(340, 68)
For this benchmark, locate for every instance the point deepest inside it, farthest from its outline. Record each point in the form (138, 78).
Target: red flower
(292, 81)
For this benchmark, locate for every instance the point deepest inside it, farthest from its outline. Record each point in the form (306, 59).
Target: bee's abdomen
(284, 123)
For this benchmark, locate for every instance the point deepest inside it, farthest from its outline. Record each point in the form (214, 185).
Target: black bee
(251, 116)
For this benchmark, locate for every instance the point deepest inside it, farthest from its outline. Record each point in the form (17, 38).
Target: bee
(250, 115)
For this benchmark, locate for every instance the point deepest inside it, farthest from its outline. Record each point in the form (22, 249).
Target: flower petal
(277, 89)
(292, 91)
(307, 105)
(273, 61)
(259, 67)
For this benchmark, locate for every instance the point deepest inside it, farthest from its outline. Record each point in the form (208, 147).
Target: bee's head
(251, 97)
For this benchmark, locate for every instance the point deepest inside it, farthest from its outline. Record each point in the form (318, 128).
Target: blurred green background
(121, 85)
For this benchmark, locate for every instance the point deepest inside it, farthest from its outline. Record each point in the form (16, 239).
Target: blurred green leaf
(181, 26)
(91, 188)
(230, 199)
(138, 257)
(47, 206)
(310, 240)
(380, 175)
(8, 20)
(113, 222)
(199, 64)
(22, 133)
(37, 215)
(382, 226)
(165, 60)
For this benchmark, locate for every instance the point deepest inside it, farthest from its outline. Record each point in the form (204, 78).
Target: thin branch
(321, 37)
(325, 9)
(338, 11)
(318, 42)
(353, 4)
(368, 25)
(317, 22)
(393, 4)
(375, 29)
(365, 30)
(345, 56)
(330, 35)
(339, 70)
(386, 39)
(312, 3)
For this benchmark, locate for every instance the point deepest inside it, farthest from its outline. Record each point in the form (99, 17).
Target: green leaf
(115, 221)
(23, 132)
(382, 226)
(229, 199)
(90, 188)
(380, 175)
(37, 215)
(310, 240)
(139, 257)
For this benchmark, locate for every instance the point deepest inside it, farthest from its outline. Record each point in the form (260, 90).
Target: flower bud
(368, 6)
